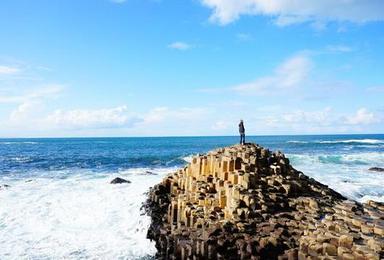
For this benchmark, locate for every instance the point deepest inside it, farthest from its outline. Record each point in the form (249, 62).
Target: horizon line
(187, 136)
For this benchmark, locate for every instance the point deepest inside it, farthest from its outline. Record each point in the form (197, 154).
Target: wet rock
(150, 173)
(4, 186)
(119, 180)
(376, 169)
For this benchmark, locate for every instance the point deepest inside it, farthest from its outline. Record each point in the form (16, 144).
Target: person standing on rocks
(242, 132)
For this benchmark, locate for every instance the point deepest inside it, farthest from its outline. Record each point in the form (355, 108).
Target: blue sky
(190, 67)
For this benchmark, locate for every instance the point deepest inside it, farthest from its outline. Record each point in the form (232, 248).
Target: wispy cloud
(287, 12)
(91, 118)
(291, 73)
(47, 91)
(376, 89)
(8, 70)
(319, 121)
(182, 46)
(221, 125)
(362, 117)
(162, 114)
(243, 37)
(30, 104)
(339, 48)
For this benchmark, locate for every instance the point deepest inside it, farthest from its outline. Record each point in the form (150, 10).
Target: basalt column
(245, 202)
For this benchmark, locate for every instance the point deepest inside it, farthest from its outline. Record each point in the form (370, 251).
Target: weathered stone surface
(245, 202)
(119, 180)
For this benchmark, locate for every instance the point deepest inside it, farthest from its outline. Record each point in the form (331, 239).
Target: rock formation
(244, 202)
(5, 186)
(119, 180)
(376, 169)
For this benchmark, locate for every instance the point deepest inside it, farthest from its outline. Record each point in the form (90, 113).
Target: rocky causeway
(246, 202)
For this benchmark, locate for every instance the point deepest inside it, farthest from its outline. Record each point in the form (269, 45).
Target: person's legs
(242, 138)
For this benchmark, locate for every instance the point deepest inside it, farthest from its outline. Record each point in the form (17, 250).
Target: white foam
(348, 174)
(10, 143)
(21, 159)
(297, 142)
(188, 158)
(363, 141)
(81, 216)
(366, 158)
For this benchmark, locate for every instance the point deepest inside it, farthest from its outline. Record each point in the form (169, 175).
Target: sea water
(60, 204)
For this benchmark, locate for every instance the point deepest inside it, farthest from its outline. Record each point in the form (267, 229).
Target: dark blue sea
(58, 202)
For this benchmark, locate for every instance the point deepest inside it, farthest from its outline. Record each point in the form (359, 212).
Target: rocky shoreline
(245, 202)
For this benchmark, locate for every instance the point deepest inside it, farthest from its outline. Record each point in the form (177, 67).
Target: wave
(351, 141)
(147, 171)
(368, 158)
(348, 174)
(21, 159)
(13, 143)
(297, 142)
(82, 216)
(369, 146)
(188, 158)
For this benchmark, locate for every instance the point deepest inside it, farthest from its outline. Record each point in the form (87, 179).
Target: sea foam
(361, 141)
(82, 216)
(349, 141)
(348, 174)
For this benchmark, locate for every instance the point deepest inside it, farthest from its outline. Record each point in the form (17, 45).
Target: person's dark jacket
(241, 128)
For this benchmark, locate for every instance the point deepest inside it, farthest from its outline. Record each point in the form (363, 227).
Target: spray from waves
(82, 216)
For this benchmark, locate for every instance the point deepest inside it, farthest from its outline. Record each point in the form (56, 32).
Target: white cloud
(88, 118)
(362, 117)
(220, 125)
(326, 120)
(48, 91)
(182, 46)
(30, 103)
(288, 12)
(291, 73)
(7, 70)
(161, 114)
(321, 117)
(339, 48)
(300, 119)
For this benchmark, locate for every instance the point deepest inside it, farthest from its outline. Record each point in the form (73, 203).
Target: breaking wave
(13, 143)
(352, 141)
(297, 142)
(60, 205)
(82, 216)
(346, 173)
(350, 159)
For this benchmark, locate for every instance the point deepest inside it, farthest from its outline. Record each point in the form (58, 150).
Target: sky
(190, 67)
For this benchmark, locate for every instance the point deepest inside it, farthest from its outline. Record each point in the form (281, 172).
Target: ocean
(60, 204)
